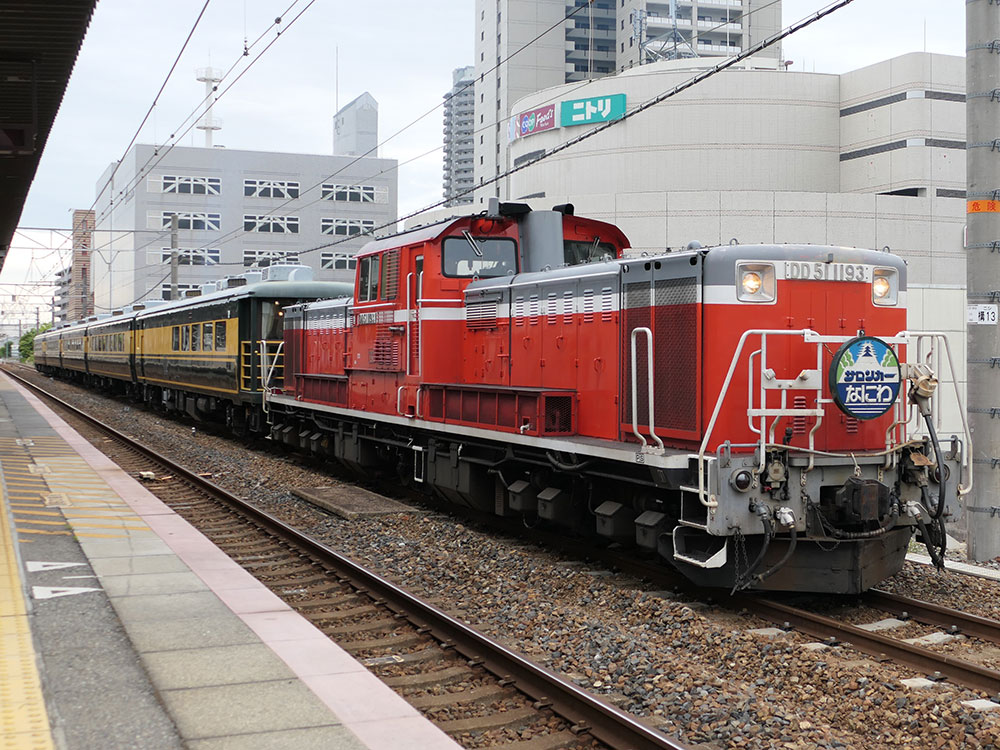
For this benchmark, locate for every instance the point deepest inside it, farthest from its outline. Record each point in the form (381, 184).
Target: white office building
(355, 127)
(236, 209)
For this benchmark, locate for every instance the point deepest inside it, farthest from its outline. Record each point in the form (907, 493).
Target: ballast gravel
(687, 667)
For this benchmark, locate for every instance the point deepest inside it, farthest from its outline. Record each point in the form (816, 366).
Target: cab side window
(368, 279)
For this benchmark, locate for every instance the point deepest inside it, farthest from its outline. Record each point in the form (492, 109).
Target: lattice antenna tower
(209, 123)
(669, 46)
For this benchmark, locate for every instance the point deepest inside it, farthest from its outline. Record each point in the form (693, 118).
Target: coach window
(468, 256)
(206, 337)
(220, 336)
(175, 336)
(185, 339)
(196, 337)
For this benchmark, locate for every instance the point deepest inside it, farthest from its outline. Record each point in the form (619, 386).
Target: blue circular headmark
(865, 377)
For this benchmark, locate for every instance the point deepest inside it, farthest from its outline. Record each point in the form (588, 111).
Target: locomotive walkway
(122, 626)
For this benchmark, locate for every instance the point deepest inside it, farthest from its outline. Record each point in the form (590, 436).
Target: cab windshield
(465, 257)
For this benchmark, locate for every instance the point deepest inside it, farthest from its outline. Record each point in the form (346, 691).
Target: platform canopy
(39, 42)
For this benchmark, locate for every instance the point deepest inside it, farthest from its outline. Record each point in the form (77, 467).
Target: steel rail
(957, 670)
(934, 614)
(588, 713)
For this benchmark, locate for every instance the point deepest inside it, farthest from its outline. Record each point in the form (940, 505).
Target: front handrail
(810, 336)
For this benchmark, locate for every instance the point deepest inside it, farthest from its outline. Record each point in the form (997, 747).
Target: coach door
(414, 292)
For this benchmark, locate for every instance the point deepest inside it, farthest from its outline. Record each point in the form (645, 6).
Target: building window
(345, 227)
(270, 189)
(255, 257)
(196, 256)
(186, 220)
(337, 262)
(271, 224)
(354, 193)
(189, 185)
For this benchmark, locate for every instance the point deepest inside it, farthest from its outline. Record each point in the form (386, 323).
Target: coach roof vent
(288, 272)
(209, 287)
(192, 293)
(231, 282)
(253, 277)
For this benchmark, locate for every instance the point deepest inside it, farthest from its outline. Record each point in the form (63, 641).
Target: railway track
(883, 647)
(478, 691)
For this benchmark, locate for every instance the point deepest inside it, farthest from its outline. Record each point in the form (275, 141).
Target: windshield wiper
(472, 242)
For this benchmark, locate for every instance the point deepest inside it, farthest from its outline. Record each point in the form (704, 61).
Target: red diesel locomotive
(741, 411)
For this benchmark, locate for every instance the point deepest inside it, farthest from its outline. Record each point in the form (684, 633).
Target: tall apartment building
(571, 41)
(236, 209)
(459, 105)
(60, 298)
(355, 127)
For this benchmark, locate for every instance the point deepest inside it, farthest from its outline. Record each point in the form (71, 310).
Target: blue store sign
(865, 377)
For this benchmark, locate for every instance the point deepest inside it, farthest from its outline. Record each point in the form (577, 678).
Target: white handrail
(810, 336)
(649, 387)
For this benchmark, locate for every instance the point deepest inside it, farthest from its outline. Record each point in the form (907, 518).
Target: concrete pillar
(982, 18)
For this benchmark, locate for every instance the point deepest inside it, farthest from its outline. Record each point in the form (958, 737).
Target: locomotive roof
(720, 261)
(410, 236)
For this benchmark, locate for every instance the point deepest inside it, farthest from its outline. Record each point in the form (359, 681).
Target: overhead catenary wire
(234, 233)
(237, 232)
(693, 81)
(152, 106)
(188, 122)
(728, 62)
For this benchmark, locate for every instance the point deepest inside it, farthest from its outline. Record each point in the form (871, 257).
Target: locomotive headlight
(885, 286)
(752, 282)
(880, 287)
(755, 282)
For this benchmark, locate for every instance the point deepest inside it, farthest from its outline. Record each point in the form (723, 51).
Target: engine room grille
(674, 322)
(481, 314)
(385, 354)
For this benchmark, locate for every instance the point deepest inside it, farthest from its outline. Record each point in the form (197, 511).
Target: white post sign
(982, 315)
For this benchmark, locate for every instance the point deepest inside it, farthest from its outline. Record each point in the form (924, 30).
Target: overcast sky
(401, 51)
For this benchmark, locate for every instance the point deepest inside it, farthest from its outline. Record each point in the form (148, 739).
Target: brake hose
(942, 490)
(787, 556)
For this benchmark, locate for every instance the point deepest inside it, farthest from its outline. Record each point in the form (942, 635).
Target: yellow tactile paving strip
(24, 724)
(48, 489)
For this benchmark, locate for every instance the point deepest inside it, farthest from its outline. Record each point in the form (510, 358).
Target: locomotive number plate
(809, 271)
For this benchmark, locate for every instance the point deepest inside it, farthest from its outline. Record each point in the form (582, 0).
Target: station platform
(121, 626)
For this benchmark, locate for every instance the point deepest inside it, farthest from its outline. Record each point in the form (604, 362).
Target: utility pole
(982, 116)
(173, 256)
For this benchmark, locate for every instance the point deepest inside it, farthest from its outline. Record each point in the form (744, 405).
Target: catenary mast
(982, 112)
